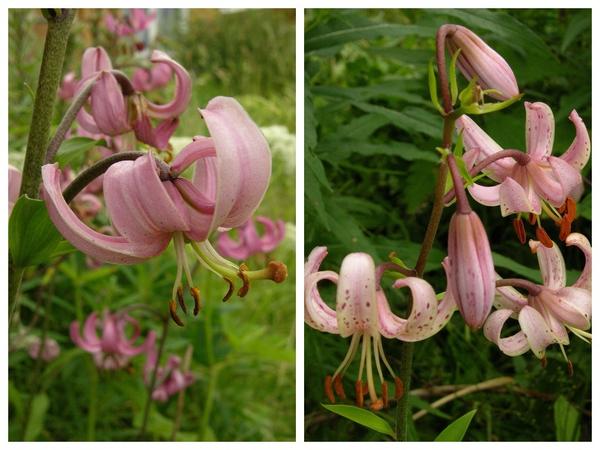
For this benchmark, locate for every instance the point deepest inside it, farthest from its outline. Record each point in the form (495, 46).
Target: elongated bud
(471, 276)
(477, 59)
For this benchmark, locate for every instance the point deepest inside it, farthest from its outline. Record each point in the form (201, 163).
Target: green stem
(92, 401)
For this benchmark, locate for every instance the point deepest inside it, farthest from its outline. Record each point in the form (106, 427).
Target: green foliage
(457, 429)
(566, 420)
(72, 151)
(362, 417)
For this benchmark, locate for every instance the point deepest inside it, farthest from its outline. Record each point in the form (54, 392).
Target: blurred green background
(370, 166)
(243, 350)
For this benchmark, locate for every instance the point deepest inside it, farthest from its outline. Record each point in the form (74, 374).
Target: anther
(570, 370)
(229, 291)
(520, 230)
(544, 362)
(328, 389)
(384, 393)
(246, 282)
(180, 299)
(571, 208)
(377, 405)
(543, 237)
(565, 228)
(359, 394)
(365, 388)
(173, 311)
(196, 295)
(338, 386)
(399, 388)
(562, 208)
(532, 219)
(278, 271)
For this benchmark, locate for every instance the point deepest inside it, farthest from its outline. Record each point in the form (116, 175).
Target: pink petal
(115, 249)
(556, 327)
(552, 264)
(568, 177)
(578, 154)
(230, 248)
(14, 185)
(110, 334)
(316, 312)
(94, 60)
(243, 162)
(536, 330)
(514, 199)
(507, 297)
(199, 148)
(513, 345)
(194, 197)
(579, 240)
(274, 233)
(158, 137)
(109, 108)
(90, 342)
(546, 183)
(570, 305)
(540, 130)
(183, 90)
(314, 260)
(485, 195)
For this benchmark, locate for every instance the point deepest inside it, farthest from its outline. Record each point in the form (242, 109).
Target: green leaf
(584, 208)
(520, 269)
(486, 108)
(362, 417)
(32, 237)
(35, 424)
(577, 25)
(422, 404)
(409, 119)
(457, 429)
(72, 151)
(433, 88)
(452, 76)
(566, 420)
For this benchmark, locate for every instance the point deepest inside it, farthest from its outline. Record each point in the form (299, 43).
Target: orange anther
(377, 405)
(338, 386)
(520, 230)
(328, 389)
(180, 299)
(532, 218)
(359, 394)
(399, 388)
(197, 303)
(229, 291)
(278, 271)
(571, 209)
(544, 362)
(246, 282)
(565, 228)
(543, 237)
(173, 311)
(570, 370)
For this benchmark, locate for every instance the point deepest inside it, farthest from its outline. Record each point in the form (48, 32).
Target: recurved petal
(540, 130)
(273, 235)
(424, 306)
(569, 178)
(514, 199)
(570, 305)
(158, 136)
(536, 330)
(109, 108)
(579, 240)
(578, 154)
(512, 345)
(230, 248)
(316, 312)
(552, 264)
(200, 147)
(314, 260)
(115, 249)
(110, 334)
(243, 162)
(94, 60)
(90, 341)
(507, 297)
(485, 195)
(547, 182)
(183, 89)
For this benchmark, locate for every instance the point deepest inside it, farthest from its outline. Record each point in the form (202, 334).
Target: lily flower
(48, 352)
(169, 378)
(480, 61)
(149, 207)
(113, 349)
(14, 186)
(540, 182)
(547, 313)
(250, 243)
(362, 311)
(68, 86)
(145, 80)
(137, 20)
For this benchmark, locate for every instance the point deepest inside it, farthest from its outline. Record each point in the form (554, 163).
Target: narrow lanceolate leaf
(566, 420)
(433, 88)
(32, 237)
(455, 432)
(362, 417)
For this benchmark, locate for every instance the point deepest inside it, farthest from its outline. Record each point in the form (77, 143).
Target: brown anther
(544, 362)
(562, 208)
(278, 271)
(365, 388)
(384, 394)
(399, 388)
(180, 299)
(328, 389)
(229, 291)
(173, 311)
(377, 405)
(246, 282)
(570, 370)
(358, 391)
(532, 219)
(571, 208)
(196, 295)
(543, 237)
(338, 386)
(520, 230)
(565, 228)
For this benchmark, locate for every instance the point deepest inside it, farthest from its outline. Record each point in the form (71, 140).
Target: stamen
(246, 282)
(229, 291)
(173, 311)
(532, 219)
(544, 362)
(384, 393)
(197, 303)
(349, 356)
(399, 388)
(377, 405)
(385, 361)
(275, 271)
(565, 228)
(359, 394)
(180, 299)
(376, 356)
(550, 211)
(363, 354)
(520, 229)
(338, 386)
(543, 237)
(571, 208)
(370, 382)
(328, 390)
(570, 370)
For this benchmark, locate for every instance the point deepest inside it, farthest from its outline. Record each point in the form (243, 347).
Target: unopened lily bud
(477, 59)
(471, 276)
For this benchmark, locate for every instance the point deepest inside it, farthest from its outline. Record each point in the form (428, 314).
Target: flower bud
(471, 276)
(477, 59)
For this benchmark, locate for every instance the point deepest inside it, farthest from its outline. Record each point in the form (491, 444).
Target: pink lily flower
(14, 186)
(545, 182)
(113, 350)
(137, 20)
(49, 352)
(250, 243)
(550, 309)
(149, 207)
(471, 276)
(68, 86)
(145, 80)
(169, 378)
(477, 59)
(362, 311)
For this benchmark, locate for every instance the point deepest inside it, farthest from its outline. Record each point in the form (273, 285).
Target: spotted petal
(536, 330)
(578, 154)
(514, 199)
(552, 264)
(579, 240)
(512, 345)
(540, 130)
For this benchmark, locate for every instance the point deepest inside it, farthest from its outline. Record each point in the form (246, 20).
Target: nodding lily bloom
(362, 311)
(477, 59)
(471, 268)
(14, 186)
(116, 109)
(549, 310)
(86, 204)
(545, 182)
(68, 86)
(49, 351)
(169, 378)
(145, 80)
(113, 349)
(150, 205)
(250, 243)
(137, 20)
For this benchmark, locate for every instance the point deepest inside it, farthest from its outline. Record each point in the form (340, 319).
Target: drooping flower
(547, 313)
(362, 311)
(137, 20)
(14, 186)
(545, 182)
(113, 349)
(68, 86)
(169, 378)
(471, 276)
(157, 76)
(150, 206)
(48, 352)
(250, 243)
(477, 59)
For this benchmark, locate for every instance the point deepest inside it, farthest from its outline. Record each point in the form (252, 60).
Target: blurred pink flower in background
(169, 378)
(250, 243)
(145, 80)
(136, 20)
(14, 186)
(50, 351)
(68, 86)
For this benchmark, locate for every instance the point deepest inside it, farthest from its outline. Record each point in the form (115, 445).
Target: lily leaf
(566, 420)
(457, 429)
(362, 417)
(72, 151)
(452, 76)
